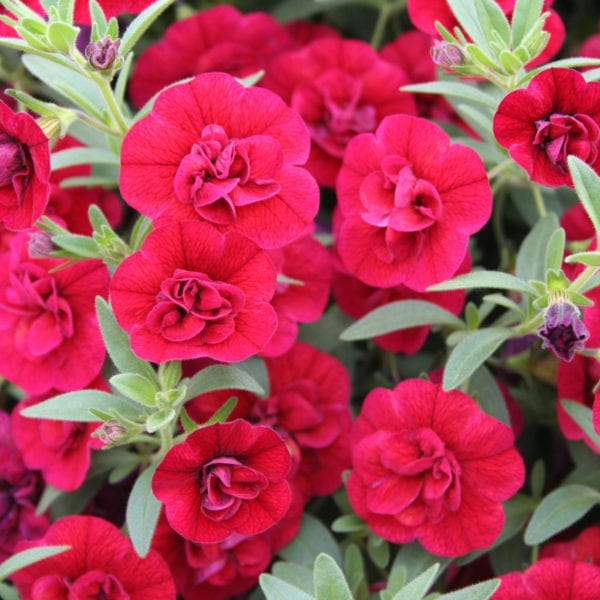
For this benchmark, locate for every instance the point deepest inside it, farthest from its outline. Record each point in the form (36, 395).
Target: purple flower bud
(40, 244)
(110, 431)
(563, 330)
(102, 55)
(446, 54)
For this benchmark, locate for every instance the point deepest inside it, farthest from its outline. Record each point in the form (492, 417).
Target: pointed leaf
(455, 89)
(582, 415)
(295, 574)
(417, 588)
(329, 580)
(277, 589)
(555, 250)
(140, 24)
(531, 259)
(136, 387)
(478, 591)
(83, 156)
(469, 21)
(142, 512)
(559, 509)
(484, 279)
(590, 258)
(471, 352)
(415, 560)
(484, 389)
(402, 314)
(221, 377)
(587, 187)
(491, 18)
(28, 557)
(525, 14)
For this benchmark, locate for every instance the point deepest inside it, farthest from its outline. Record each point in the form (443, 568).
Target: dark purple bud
(563, 330)
(103, 54)
(446, 54)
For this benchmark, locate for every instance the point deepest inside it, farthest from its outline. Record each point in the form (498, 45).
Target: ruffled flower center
(222, 174)
(15, 169)
(33, 296)
(334, 110)
(560, 135)
(191, 307)
(225, 483)
(93, 585)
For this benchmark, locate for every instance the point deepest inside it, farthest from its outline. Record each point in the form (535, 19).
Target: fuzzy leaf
(455, 89)
(140, 24)
(479, 591)
(295, 574)
(491, 18)
(329, 580)
(555, 250)
(28, 557)
(220, 377)
(417, 587)
(587, 187)
(415, 560)
(484, 279)
(590, 258)
(582, 415)
(136, 387)
(142, 512)
(483, 387)
(525, 14)
(559, 509)
(277, 589)
(531, 259)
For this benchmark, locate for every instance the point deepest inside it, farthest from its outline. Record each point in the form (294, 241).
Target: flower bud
(40, 244)
(446, 54)
(563, 330)
(102, 55)
(110, 432)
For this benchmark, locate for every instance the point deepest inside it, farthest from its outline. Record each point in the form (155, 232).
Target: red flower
(101, 563)
(356, 299)
(585, 547)
(20, 491)
(408, 202)
(49, 335)
(212, 150)
(24, 169)
(303, 300)
(558, 114)
(551, 578)
(220, 38)
(191, 292)
(341, 88)
(430, 465)
(224, 479)
(60, 449)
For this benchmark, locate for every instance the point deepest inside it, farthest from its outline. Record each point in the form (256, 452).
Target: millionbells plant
(299, 299)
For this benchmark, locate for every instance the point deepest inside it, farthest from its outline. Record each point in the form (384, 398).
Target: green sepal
(160, 419)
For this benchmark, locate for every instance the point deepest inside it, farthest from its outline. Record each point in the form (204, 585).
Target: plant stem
(111, 103)
(386, 10)
(539, 200)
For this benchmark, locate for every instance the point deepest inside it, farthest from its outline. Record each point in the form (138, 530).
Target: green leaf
(484, 279)
(590, 258)
(478, 591)
(220, 416)
(291, 10)
(454, 89)
(587, 187)
(220, 377)
(62, 36)
(140, 24)
(505, 302)
(415, 560)
(555, 250)
(349, 524)
(354, 570)
(531, 259)
(484, 389)
(473, 350)
(160, 419)
(136, 387)
(8, 592)
(295, 574)
(82, 156)
(417, 587)
(142, 512)
(491, 18)
(75, 406)
(28, 557)
(329, 580)
(402, 314)
(118, 345)
(80, 245)
(256, 367)
(559, 509)
(469, 20)
(277, 589)
(524, 17)
(582, 415)
(312, 539)
(378, 550)
(98, 19)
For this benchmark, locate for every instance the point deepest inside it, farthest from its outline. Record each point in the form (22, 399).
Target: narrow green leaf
(417, 587)
(454, 89)
(354, 570)
(140, 24)
(582, 415)
(136, 387)
(478, 591)
(415, 560)
(80, 245)
(590, 258)
(312, 539)
(28, 557)
(291, 10)
(256, 367)
(559, 509)
(160, 419)
(329, 580)
(555, 250)
(471, 352)
(587, 187)
(483, 387)
(491, 18)
(466, 14)
(378, 550)
(402, 314)
(8, 592)
(75, 406)
(90, 181)
(525, 14)
(484, 279)
(142, 512)
(277, 589)
(221, 377)
(504, 301)
(82, 156)
(220, 416)
(118, 345)
(295, 574)
(62, 36)
(98, 18)
(349, 524)
(531, 259)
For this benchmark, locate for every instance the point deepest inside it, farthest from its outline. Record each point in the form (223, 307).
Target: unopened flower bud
(40, 244)
(103, 54)
(110, 431)
(446, 54)
(563, 330)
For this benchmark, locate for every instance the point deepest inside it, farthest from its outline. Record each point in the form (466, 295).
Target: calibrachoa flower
(557, 115)
(585, 547)
(20, 491)
(24, 169)
(341, 88)
(219, 38)
(191, 292)
(224, 479)
(551, 578)
(62, 450)
(214, 151)
(101, 563)
(49, 334)
(308, 406)
(563, 330)
(431, 465)
(408, 202)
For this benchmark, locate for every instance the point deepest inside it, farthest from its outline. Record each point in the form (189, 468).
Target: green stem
(111, 102)
(386, 10)
(495, 171)
(539, 200)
